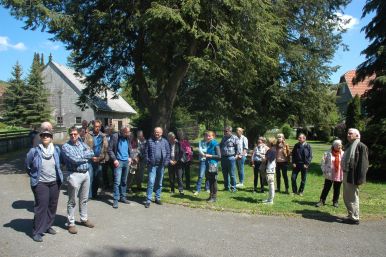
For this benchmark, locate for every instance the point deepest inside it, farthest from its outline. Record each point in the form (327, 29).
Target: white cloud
(347, 21)
(5, 45)
(51, 45)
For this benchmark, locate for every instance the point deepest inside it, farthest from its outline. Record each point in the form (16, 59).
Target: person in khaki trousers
(355, 165)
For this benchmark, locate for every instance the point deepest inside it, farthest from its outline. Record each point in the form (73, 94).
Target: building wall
(63, 99)
(115, 119)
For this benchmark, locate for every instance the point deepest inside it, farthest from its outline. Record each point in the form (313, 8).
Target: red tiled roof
(358, 88)
(2, 89)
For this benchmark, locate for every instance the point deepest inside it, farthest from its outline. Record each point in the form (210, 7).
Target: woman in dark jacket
(43, 167)
(175, 165)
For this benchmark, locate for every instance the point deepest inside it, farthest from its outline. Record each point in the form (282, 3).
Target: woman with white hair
(333, 172)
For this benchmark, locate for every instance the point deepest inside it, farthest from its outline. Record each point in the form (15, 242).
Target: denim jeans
(120, 180)
(228, 164)
(95, 172)
(156, 174)
(240, 169)
(299, 168)
(201, 174)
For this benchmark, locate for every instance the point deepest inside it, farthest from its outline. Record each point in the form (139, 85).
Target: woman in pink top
(333, 173)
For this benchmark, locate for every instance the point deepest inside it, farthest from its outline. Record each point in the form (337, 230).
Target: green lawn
(372, 195)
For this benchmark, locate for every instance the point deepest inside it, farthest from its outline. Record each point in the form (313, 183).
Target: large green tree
(35, 96)
(296, 90)
(153, 43)
(375, 63)
(13, 104)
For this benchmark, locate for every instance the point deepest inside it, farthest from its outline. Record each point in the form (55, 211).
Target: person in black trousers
(301, 160)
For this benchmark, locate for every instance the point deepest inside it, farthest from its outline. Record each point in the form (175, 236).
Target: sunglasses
(46, 135)
(74, 134)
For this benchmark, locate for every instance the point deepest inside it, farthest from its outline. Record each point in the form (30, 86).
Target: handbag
(212, 168)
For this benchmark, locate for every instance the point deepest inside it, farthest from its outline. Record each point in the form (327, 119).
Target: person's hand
(294, 165)
(305, 166)
(130, 161)
(94, 159)
(116, 164)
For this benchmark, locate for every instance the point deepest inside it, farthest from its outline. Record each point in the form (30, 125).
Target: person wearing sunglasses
(77, 156)
(43, 167)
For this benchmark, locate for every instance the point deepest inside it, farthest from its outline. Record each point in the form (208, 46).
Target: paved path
(170, 230)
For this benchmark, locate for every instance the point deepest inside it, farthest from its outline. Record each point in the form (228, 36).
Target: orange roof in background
(2, 89)
(359, 88)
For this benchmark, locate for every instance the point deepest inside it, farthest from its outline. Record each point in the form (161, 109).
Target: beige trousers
(351, 198)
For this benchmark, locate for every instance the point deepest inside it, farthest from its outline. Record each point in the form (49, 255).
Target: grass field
(372, 195)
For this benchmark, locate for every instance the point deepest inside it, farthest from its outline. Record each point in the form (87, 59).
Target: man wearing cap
(77, 155)
(355, 165)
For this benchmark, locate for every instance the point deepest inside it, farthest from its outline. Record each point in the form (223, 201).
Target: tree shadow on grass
(185, 196)
(318, 215)
(246, 199)
(303, 202)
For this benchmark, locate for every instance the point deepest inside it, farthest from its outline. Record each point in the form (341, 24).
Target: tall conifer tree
(14, 108)
(35, 97)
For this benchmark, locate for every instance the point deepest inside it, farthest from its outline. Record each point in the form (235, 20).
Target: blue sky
(19, 45)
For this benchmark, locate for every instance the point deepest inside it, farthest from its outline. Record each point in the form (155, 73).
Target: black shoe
(182, 193)
(37, 238)
(350, 222)
(147, 204)
(51, 231)
(158, 202)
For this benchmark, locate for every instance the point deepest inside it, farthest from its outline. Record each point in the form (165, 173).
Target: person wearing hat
(43, 167)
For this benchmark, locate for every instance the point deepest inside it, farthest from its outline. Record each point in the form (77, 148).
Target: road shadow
(13, 163)
(23, 204)
(319, 215)
(136, 252)
(25, 225)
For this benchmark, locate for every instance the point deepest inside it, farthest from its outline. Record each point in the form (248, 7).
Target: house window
(78, 120)
(59, 120)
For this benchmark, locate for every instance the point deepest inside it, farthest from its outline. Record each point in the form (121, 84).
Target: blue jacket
(113, 146)
(302, 154)
(33, 164)
(150, 151)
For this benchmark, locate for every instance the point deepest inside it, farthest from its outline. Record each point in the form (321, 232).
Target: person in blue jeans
(120, 153)
(243, 146)
(230, 151)
(202, 150)
(157, 155)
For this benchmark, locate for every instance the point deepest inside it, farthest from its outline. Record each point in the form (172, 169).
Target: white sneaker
(240, 185)
(268, 201)
(196, 193)
(208, 191)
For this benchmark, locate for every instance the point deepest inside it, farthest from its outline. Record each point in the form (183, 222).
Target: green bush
(286, 130)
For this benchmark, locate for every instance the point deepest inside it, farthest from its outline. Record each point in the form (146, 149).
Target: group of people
(88, 154)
